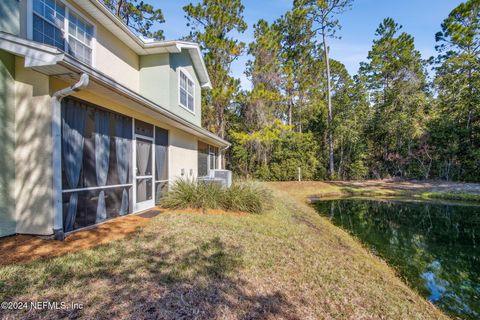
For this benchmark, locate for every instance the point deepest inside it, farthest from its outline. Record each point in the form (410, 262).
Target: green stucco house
(95, 121)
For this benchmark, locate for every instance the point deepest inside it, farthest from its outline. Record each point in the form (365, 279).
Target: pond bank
(444, 190)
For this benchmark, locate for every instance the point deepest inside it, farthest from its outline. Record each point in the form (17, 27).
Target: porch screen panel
(101, 157)
(161, 163)
(213, 153)
(202, 159)
(123, 138)
(73, 128)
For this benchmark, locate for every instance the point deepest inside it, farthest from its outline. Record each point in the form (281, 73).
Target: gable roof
(111, 22)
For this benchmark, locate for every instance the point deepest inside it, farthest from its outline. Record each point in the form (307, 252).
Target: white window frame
(189, 77)
(67, 31)
(66, 27)
(211, 153)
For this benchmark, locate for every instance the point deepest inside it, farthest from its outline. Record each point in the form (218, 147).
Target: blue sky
(421, 18)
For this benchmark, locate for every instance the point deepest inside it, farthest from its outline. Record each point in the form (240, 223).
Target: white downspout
(56, 154)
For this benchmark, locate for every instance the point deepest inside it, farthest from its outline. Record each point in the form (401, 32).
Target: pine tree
(324, 14)
(264, 71)
(456, 129)
(297, 56)
(138, 15)
(212, 22)
(396, 79)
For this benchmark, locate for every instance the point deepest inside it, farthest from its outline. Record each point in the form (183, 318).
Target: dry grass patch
(24, 248)
(287, 263)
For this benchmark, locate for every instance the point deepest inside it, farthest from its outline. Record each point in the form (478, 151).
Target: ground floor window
(98, 180)
(207, 159)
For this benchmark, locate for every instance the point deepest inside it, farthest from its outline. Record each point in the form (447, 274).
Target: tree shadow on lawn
(158, 280)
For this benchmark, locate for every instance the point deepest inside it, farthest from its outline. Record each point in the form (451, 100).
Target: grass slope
(287, 263)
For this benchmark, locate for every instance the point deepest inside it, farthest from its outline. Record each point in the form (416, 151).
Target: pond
(434, 246)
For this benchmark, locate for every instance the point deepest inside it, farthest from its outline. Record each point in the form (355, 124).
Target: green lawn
(286, 263)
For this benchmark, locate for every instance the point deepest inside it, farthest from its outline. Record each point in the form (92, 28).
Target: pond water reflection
(435, 246)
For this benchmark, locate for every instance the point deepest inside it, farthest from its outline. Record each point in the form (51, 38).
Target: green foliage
(264, 71)
(297, 60)
(383, 122)
(455, 128)
(304, 109)
(244, 196)
(275, 153)
(211, 23)
(247, 197)
(138, 15)
(396, 78)
(459, 196)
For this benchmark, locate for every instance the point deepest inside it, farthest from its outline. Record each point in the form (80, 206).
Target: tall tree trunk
(329, 95)
(290, 109)
(220, 122)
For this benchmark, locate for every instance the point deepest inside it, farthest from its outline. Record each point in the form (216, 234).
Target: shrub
(247, 197)
(242, 196)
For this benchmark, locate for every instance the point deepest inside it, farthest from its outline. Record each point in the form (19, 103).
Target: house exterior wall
(177, 62)
(10, 16)
(155, 78)
(183, 150)
(182, 145)
(7, 145)
(111, 56)
(26, 170)
(33, 151)
(159, 82)
(27, 176)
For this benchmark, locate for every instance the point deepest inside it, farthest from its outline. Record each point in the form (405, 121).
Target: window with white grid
(80, 36)
(55, 24)
(187, 91)
(49, 22)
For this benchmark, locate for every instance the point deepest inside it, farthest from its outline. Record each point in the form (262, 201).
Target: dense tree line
(390, 120)
(304, 110)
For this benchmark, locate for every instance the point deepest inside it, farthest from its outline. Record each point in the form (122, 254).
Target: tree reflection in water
(433, 245)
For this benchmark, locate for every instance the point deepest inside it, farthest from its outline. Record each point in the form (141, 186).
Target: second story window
(57, 25)
(80, 35)
(187, 91)
(49, 22)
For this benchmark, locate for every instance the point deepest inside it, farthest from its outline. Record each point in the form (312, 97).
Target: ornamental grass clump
(246, 197)
(242, 196)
